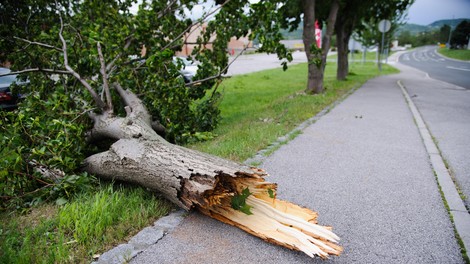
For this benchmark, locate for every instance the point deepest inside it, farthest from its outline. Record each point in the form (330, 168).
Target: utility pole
(450, 33)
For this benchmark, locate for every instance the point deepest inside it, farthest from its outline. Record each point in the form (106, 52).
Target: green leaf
(3, 173)
(61, 201)
(271, 193)
(246, 209)
(239, 202)
(246, 192)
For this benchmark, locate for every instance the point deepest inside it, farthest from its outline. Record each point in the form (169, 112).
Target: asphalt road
(438, 67)
(445, 109)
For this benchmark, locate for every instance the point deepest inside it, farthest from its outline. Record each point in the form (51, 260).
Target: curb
(457, 211)
(147, 237)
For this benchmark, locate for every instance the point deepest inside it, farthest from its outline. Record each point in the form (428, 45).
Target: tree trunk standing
(317, 56)
(343, 51)
(344, 29)
(227, 191)
(330, 27)
(308, 36)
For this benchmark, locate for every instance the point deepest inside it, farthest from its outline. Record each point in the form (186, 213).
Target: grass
(257, 108)
(455, 54)
(93, 223)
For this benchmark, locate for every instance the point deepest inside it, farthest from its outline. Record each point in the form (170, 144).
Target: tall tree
(316, 56)
(348, 15)
(444, 33)
(353, 15)
(292, 12)
(88, 81)
(460, 35)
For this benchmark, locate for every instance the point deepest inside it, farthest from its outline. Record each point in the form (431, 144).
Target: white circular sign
(384, 25)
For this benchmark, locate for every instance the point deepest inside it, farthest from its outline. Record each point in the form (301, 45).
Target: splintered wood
(276, 221)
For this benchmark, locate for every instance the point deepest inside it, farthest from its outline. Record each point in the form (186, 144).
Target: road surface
(438, 67)
(445, 108)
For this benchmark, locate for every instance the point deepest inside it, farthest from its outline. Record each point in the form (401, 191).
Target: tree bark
(317, 57)
(181, 174)
(343, 33)
(315, 78)
(192, 179)
(343, 51)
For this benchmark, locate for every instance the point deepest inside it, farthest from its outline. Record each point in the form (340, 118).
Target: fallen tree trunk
(230, 192)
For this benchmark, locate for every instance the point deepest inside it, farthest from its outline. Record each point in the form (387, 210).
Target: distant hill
(436, 25)
(412, 28)
(452, 22)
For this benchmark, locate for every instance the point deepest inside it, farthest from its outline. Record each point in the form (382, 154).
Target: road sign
(384, 25)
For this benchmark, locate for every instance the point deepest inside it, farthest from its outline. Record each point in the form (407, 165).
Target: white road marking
(455, 68)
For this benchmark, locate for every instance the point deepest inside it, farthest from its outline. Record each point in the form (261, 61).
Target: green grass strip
(258, 108)
(455, 54)
(92, 223)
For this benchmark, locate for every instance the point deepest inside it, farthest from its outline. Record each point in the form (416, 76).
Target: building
(190, 41)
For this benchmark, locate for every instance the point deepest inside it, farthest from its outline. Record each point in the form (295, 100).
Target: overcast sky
(424, 12)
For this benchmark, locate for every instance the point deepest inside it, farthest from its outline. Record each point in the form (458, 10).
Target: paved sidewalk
(364, 168)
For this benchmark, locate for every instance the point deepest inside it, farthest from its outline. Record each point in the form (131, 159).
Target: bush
(42, 133)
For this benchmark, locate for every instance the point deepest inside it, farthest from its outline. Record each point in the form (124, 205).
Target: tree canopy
(78, 56)
(74, 53)
(460, 35)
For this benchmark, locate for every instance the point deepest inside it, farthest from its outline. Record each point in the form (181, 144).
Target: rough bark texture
(308, 37)
(343, 64)
(192, 179)
(317, 59)
(344, 29)
(330, 26)
(181, 174)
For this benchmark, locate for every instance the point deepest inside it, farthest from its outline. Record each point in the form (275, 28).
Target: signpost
(384, 26)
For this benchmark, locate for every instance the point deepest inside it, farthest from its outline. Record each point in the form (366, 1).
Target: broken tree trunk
(227, 191)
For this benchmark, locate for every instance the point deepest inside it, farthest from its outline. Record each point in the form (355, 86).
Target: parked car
(188, 69)
(8, 101)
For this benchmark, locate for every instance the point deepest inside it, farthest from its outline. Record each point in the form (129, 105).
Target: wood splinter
(276, 221)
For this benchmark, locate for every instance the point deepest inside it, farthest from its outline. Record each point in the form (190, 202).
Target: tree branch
(220, 72)
(110, 67)
(167, 9)
(38, 43)
(195, 23)
(54, 175)
(90, 89)
(105, 79)
(137, 109)
(36, 70)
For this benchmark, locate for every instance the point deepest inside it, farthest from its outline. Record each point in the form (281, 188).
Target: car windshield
(6, 81)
